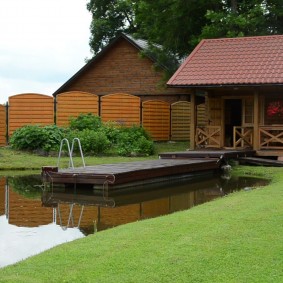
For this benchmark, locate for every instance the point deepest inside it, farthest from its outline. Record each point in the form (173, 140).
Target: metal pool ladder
(70, 151)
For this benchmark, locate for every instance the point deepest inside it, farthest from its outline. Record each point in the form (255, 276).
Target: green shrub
(92, 142)
(134, 141)
(85, 121)
(111, 130)
(95, 137)
(29, 137)
(34, 137)
(54, 136)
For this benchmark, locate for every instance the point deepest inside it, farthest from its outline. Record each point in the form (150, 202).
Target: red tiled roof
(233, 61)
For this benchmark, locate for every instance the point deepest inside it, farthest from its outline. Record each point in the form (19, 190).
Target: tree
(176, 26)
(244, 18)
(109, 18)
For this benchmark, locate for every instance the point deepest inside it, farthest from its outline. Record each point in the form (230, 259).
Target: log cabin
(242, 82)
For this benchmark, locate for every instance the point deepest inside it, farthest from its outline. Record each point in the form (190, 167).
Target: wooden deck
(205, 153)
(130, 172)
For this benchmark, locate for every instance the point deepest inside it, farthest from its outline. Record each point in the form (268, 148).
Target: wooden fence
(121, 108)
(156, 119)
(71, 104)
(162, 120)
(30, 109)
(3, 125)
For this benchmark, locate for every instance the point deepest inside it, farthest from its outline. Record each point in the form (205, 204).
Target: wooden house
(122, 85)
(242, 82)
(120, 68)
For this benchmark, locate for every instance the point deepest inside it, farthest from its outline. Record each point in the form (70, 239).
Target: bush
(95, 137)
(92, 142)
(111, 130)
(85, 121)
(34, 137)
(54, 135)
(29, 137)
(134, 141)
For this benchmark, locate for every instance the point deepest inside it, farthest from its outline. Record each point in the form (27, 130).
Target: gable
(119, 69)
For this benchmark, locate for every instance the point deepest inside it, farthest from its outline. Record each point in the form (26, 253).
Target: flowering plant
(275, 109)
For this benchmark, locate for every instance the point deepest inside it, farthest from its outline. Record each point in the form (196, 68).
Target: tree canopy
(179, 25)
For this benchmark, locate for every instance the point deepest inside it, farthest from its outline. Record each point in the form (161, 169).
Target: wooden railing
(271, 137)
(209, 136)
(242, 137)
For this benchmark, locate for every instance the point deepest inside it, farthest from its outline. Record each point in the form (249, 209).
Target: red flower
(275, 109)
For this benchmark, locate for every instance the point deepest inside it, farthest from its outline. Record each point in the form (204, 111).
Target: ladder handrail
(80, 148)
(71, 163)
(70, 151)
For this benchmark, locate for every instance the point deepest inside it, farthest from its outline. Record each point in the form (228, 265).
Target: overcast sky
(42, 44)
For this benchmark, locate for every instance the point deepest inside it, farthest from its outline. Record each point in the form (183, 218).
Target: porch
(268, 143)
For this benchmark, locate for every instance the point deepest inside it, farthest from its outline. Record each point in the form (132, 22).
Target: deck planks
(128, 172)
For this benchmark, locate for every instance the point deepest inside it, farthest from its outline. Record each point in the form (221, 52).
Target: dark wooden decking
(170, 165)
(205, 153)
(130, 172)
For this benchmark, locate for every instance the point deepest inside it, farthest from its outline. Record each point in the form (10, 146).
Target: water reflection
(32, 219)
(26, 227)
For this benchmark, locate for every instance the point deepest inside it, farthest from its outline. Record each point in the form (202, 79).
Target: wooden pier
(130, 172)
(168, 167)
(206, 153)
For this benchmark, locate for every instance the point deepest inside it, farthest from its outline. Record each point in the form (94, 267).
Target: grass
(237, 238)
(18, 160)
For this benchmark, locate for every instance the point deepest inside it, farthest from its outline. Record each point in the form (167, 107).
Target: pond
(33, 219)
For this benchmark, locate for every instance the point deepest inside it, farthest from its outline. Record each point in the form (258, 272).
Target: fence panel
(201, 115)
(121, 108)
(3, 125)
(156, 119)
(180, 120)
(30, 109)
(71, 104)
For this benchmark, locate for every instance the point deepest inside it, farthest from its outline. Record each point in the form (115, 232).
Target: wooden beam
(193, 122)
(256, 121)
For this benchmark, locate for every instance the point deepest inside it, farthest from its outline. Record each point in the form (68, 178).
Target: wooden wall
(121, 108)
(156, 119)
(3, 125)
(71, 104)
(121, 69)
(30, 109)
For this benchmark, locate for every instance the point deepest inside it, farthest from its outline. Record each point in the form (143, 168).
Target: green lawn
(237, 238)
(17, 160)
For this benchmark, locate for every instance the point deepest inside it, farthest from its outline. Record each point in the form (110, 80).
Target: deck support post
(193, 122)
(256, 121)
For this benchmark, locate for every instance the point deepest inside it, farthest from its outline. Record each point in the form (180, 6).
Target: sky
(42, 44)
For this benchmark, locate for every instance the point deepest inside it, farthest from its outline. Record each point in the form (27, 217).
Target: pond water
(33, 220)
